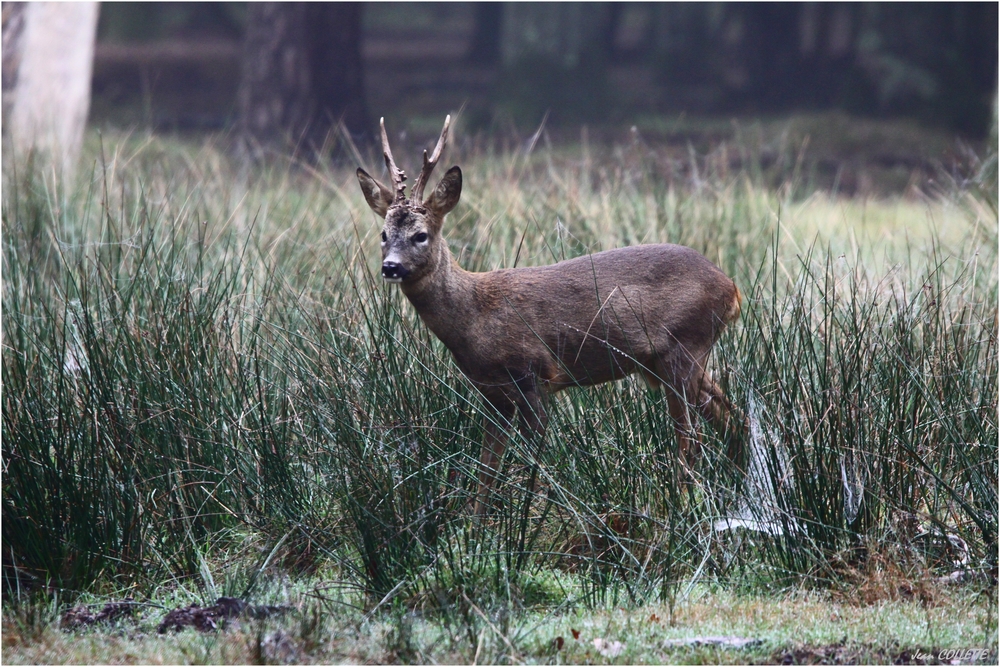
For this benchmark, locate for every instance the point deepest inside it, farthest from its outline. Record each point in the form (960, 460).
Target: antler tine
(430, 163)
(397, 175)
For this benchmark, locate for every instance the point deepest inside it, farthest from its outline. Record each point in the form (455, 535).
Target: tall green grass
(196, 356)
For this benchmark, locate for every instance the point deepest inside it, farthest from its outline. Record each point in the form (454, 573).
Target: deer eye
(384, 237)
(420, 238)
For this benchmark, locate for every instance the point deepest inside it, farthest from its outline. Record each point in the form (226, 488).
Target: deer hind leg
(691, 390)
(687, 438)
(684, 377)
(710, 401)
(713, 405)
(650, 378)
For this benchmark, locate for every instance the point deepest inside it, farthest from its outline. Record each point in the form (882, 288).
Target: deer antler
(397, 175)
(429, 163)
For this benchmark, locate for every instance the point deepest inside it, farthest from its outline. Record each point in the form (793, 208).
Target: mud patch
(207, 619)
(81, 617)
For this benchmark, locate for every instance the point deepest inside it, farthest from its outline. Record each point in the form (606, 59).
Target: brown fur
(520, 334)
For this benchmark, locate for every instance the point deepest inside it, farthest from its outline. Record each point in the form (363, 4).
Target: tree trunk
(771, 51)
(13, 33)
(301, 74)
(484, 46)
(48, 53)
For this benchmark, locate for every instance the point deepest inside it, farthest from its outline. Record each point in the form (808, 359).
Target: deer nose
(394, 271)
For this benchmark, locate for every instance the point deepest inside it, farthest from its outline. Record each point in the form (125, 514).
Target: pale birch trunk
(51, 96)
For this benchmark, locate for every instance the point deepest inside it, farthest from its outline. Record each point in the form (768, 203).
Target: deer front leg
(532, 420)
(496, 431)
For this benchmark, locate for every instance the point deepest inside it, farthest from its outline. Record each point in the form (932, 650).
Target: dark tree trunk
(301, 73)
(825, 43)
(772, 54)
(484, 48)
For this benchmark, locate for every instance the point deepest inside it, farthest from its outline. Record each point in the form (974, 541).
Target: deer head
(411, 236)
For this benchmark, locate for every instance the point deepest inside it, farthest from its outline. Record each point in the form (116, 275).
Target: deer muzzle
(394, 272)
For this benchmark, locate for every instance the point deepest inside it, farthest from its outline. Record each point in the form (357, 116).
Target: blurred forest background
(180, 65)
(900, 87)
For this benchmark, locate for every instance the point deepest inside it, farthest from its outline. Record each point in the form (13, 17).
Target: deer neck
(444, 298)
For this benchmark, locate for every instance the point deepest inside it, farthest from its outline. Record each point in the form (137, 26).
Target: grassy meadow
(208, 391)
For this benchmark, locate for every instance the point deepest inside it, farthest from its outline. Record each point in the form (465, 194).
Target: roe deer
(520, 333)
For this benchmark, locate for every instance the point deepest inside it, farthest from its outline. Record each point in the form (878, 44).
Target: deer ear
(377, 195)
(447, 192)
